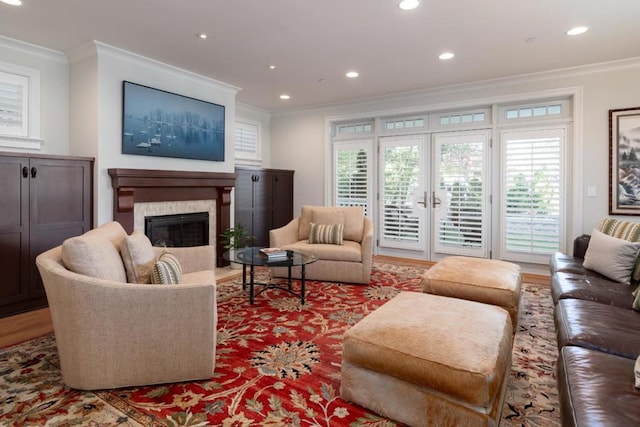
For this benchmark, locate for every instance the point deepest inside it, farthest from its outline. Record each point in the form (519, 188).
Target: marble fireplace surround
(142, 186)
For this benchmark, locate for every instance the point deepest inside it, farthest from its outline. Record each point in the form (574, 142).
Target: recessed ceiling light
(352, 74)
(202, 36)
(408, 4)
(12, 2)
(285, 96)
(577, 30)
(446, 55)
(272, 67)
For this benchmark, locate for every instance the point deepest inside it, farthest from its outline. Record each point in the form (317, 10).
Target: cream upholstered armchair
(348, 262)
(111, 333)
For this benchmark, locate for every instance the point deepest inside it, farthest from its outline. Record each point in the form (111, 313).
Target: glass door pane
(402, 180)
(460, 198)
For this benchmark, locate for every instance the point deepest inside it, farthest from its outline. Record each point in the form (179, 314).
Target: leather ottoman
(477, 279)
(425, 360)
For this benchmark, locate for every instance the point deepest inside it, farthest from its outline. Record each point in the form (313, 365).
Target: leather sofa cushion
(591, 288)
(597, 389)
(598, 326)
(561, 262)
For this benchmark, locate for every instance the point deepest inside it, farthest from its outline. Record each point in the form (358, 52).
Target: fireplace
(173, 192)
(178, 230)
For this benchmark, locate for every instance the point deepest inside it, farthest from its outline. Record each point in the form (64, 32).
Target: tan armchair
(114, 334)
(350, 262)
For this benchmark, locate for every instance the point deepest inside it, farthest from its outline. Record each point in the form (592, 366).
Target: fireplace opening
(179, 230)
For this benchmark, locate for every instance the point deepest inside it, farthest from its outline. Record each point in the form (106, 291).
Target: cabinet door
(60, 207)
(243, 200)
(282, 198)
(262, 206)
(14, 230)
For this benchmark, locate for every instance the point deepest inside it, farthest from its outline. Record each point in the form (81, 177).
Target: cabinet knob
(25, 172)
(34, 172)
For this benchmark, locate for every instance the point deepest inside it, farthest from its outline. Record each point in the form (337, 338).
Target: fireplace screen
(178, 230)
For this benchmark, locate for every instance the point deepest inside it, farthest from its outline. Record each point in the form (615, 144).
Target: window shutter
(532, 205)
(13, 104)
(352, 169)
(401, 160)
(246, 138)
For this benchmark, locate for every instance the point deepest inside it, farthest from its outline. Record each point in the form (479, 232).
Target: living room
(80, 113)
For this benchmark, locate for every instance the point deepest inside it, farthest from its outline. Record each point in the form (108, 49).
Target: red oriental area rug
(277, 364)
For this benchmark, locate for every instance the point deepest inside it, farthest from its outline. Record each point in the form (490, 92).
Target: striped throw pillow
(326, 233)
(167, 270)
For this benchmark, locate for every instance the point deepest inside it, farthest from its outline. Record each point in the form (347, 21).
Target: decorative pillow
(611, 257)
(167, 270)
(138, 257)
(326, 233)
(636, 299)
(93, 256)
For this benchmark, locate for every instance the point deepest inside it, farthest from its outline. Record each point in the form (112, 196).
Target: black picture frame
(164, 124)
(624, 161)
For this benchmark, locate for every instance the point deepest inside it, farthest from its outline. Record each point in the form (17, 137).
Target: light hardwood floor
(25, 326)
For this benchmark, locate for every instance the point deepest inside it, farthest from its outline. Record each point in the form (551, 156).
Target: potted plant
(236, 238)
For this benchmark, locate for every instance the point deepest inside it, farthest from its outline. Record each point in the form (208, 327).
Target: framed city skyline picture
(165, 124)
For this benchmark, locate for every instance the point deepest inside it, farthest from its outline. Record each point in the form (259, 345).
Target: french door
(433, 194)
(403, 171)
(461, 188)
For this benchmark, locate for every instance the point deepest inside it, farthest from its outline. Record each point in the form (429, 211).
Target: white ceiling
(315, 42)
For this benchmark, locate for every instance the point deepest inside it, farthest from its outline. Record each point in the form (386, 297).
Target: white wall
(98, 71)
(299, 137)
(54, 91)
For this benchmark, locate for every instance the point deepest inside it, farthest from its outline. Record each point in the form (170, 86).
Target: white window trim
(244, 157)
(32, 139)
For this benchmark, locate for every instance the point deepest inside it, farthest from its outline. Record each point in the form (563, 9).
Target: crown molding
(32, 49)
(602, 67)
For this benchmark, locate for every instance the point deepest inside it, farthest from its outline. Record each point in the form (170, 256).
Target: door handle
(423, 202)
(436, 201)
(25, 172)
(34, 172)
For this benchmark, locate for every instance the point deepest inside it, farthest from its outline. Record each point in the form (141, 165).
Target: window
(352, 165)
(548, 110)
(247, 141)
(352, 129)
(404, 124)
(19, 107)
(460, 119)
(532, 184)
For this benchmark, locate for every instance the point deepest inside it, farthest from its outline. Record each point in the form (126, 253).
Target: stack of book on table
(274, 254)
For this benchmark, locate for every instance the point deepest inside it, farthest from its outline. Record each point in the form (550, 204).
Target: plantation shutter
(352, 166)
(246, 140)
(13, 104)
(402, 180)
(532, 184)
(461, 171)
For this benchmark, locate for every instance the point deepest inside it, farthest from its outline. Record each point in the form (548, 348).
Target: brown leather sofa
(598, 337)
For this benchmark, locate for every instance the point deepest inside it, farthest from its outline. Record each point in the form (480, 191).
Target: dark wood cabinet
(44, 200)
(263, 201)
